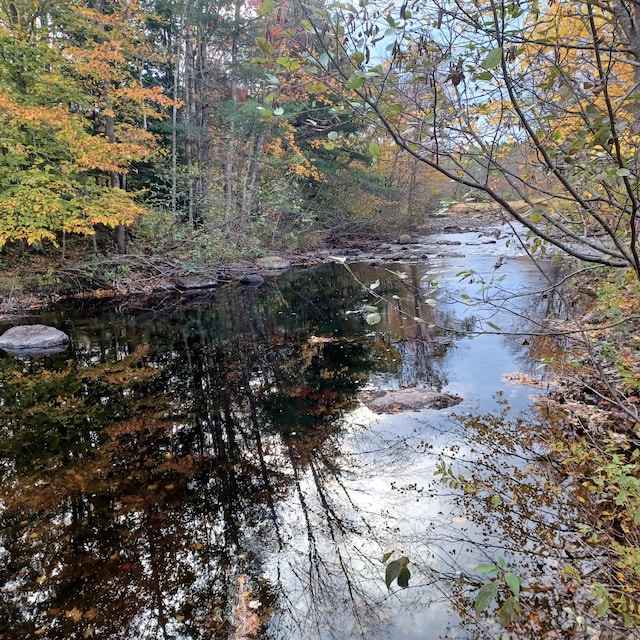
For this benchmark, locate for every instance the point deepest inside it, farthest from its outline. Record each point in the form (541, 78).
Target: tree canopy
(542, 95)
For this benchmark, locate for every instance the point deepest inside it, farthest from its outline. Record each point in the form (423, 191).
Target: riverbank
(31, 281)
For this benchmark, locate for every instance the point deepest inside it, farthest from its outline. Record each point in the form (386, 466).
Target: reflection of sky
(388, 495)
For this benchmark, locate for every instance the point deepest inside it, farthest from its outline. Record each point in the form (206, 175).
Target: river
(207, 468)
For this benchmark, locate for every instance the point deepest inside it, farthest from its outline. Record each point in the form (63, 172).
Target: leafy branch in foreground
(539, 100)
(504, 582)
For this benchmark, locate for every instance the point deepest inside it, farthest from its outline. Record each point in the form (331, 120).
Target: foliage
(466, 91)
(58, 160)
(397, 570)
(509, 610)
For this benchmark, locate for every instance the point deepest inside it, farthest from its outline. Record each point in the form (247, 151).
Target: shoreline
(150, 277)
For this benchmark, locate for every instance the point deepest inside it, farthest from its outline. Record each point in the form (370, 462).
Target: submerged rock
(252, 279)
(412, 399)
(33, 339)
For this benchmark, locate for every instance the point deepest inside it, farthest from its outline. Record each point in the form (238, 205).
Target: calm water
(208, 470)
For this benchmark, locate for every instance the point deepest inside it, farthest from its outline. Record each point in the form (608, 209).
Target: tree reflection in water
(209, 474)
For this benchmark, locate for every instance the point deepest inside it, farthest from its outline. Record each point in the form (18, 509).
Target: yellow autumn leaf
(75, 614)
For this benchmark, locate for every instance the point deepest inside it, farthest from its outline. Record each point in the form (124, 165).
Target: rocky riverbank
(32, 283)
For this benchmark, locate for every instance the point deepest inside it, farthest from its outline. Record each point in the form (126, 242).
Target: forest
(145, 125)
(231, 129)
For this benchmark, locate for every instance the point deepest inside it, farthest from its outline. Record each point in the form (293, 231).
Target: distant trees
(225, 117)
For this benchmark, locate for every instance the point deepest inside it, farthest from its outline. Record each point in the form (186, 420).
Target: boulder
(405, 238)
(594, 317)
(412, 399)
(273, 263)
(33, 339)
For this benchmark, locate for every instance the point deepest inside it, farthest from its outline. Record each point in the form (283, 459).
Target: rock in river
(33, 339)
(273, 263)
(194, 283)
(412, 399)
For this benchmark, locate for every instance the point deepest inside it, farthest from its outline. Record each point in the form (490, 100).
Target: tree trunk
(229, 208)
(251, 179)
(117, 181)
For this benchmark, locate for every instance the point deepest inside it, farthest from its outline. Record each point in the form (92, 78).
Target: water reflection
(208, 472)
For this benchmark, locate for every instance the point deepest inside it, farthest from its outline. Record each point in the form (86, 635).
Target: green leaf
(374, 149)
(332, 135)
(403, 577)
(487, 568)
(264, 45)
(623, 172)
(393, 571)
(268, 6)
(369, 308)
(484, 75)
(386, 556)
(486, 596)
(514, 583)
(492, 59)
(494, 326)
(373, 318)
(395, 109)
(290, 64)
(355, 82)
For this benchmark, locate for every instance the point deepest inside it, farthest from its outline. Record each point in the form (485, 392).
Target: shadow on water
(208, 471)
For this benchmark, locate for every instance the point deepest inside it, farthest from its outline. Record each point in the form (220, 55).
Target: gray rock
(273, 263)
(450, 254)
(194, 283)
(412, 399)
(405, 238)
(33, 339)
(594, 317)
(252, 279)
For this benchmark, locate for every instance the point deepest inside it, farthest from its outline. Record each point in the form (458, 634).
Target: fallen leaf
(75, 614)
